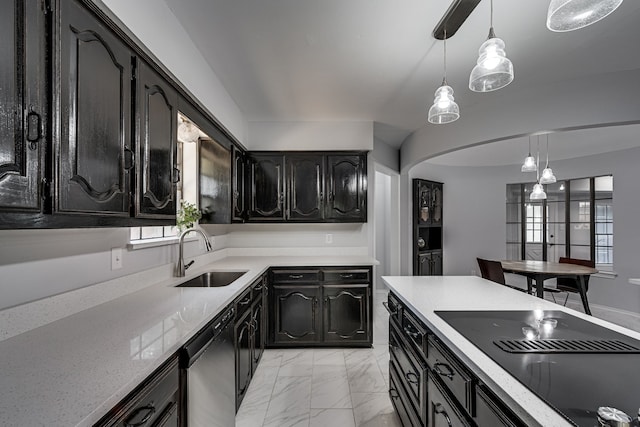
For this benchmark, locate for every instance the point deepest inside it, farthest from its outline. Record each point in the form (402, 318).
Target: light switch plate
(116, 258)
(329, 238)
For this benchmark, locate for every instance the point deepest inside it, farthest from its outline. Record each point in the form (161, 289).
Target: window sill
(152, 243)
(605, 274)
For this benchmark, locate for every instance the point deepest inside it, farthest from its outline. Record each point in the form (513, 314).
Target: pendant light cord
(538, 161)
(444, 78)
(491, 21)
(547, 152)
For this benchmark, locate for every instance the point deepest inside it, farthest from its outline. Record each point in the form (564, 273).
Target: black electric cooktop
(575, 368)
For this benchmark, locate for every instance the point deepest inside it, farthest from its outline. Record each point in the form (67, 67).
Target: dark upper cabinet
(215, 182)
(296, 314)
(427, 202)
(346, 313)
(93, 108)
(347, 188)
(23, 105)
(267, 187)
(427, 227)
(238, 181)
(305, 187)
(156, 140)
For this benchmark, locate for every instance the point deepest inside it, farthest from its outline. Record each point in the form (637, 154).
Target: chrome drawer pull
(150, 411)
(408, 376)
(411, 333)
(346, 276)
(386, 305)
(439, 409)
(436, 367)
(296, 276)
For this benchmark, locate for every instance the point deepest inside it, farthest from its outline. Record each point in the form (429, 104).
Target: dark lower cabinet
(93, 109)
(442, 410)
(250, 335)
(429, 385)
(347, 188)
(157, 133)
(429, 264)
(156, 402)
(346, 313)
(324, 306)
(23, 105)
(296, 314)
(305, 187)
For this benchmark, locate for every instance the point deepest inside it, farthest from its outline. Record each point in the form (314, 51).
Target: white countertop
(424, 295)
(73, 371)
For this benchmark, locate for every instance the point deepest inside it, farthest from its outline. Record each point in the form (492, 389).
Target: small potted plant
(188, 215)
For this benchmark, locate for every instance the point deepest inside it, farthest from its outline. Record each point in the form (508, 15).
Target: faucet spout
(181, 267)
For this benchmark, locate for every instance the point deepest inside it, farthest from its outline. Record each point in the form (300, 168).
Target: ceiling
(310, 60)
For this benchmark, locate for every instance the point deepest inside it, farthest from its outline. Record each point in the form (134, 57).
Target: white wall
(305, 136)
(382, 226)
(159, 30)
(475, 216)
(386, 155)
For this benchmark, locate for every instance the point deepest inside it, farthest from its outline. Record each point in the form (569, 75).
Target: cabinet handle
(439, 409)
(346, 276)
(386, 305)
(410, 375)
(176, 175)
(449, 374)
(34, 128)
(129, 158)
(150, 411)
(245, 301)
(393, 393)
(411, 333)
(296, 276)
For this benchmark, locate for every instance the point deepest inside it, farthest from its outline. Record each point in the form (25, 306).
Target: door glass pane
(555, 211)
(533, 251)
(580, 233)
(513, 233)
(513, 193)
(580, 252)
(556, 192)
(604, 187)
(556, 233)
(513, 251)
(554, 252)
(580, 189)
(513, 212)
(580, 211)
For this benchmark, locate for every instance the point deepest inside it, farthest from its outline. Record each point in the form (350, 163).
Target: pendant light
(493, 69)
(547, 174)
(538, 191)
(529, 164)
(569, 15)
(444, 108)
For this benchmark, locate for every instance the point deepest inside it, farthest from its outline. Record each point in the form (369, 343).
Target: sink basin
(213, 279)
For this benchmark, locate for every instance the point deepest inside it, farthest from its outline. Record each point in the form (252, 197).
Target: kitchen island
(73, 370)
(425, 297)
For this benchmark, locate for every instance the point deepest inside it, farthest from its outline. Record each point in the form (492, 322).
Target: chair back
(491, 270)
(567, 284)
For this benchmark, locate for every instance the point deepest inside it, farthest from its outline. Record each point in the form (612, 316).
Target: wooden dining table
(543, 270)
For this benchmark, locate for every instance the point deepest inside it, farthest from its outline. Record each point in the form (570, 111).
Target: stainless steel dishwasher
(210, 373)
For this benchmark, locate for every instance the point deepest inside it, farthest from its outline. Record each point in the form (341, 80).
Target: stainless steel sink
(213, 279)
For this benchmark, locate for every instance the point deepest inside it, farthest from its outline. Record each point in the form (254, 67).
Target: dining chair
(570, 284)
(492, 270)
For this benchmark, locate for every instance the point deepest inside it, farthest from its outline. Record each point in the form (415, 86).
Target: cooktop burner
(574, 383)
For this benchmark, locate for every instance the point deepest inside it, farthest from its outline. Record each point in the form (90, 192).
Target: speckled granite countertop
(72, 371)
(424, 295)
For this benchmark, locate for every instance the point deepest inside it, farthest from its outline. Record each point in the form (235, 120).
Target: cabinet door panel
(346, 313)
(347, 192)
(157, 143)
(95, 100)
(22, 101)
(258, 334)
(305, 178)
(267, 187)
(243, 338)
(296, 313)
(239, 192)
(442, 411)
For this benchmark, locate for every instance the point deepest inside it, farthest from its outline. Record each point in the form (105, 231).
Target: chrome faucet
(181, 268)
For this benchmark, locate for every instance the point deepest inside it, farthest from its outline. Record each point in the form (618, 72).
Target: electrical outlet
(116, 258)
(328, 238)
(473, 272)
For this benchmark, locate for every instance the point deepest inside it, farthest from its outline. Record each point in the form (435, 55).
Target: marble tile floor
(323, 387)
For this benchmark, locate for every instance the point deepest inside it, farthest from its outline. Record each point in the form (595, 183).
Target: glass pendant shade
(493, 69)
(188, 132)
(529, 164)
(538, 193)
(444, 108)
(547, 176)
(569, 15)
